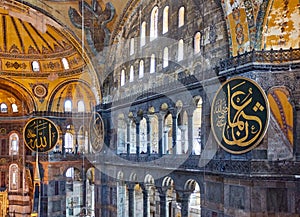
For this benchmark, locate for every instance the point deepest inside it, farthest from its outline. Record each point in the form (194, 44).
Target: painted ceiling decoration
(261, 24)
(282, 25)
(282, 110)
(23, 40)
(94, 21)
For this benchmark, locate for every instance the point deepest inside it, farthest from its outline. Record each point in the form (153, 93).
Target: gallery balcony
(200, 164)
(263, 60)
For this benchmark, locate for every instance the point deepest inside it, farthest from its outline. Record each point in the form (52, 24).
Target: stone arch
(281, 124)
(194, 205)
(120, 175)
(149, 179)
(167, 182)
(133, 177)
(76, 170)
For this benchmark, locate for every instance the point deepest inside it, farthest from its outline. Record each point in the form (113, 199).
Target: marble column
(183, 129)
(131, 200)
(160, 134)
(148, 136)
(146, 202)
(190, 132)
(174, 133)
(183, 198)
(128, 137)
(163, 203)
(137, 134)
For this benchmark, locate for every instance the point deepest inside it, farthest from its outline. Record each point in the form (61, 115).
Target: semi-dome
(32, 44)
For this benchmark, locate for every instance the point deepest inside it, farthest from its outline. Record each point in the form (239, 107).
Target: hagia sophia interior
(150, 108)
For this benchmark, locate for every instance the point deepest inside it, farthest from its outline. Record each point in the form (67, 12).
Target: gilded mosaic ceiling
(27, 36)
(258, 24)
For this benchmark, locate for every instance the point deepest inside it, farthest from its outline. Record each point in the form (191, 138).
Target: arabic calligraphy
(97, 132)
(239, 115)
(40, 134)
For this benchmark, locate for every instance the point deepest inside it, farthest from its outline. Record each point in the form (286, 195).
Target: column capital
(190, 111)
(183, 195)
(130, 185)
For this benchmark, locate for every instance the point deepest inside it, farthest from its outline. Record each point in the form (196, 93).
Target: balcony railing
(241, 167)
(262, 58)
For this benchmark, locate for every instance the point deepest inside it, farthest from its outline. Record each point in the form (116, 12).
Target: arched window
(70, 173)
(122, 77)
(131, 46)
(69, 141)
(153, 24)
(143, 136)
(3, 108)
(180, 50)
(35, 66)
(197, 39)
(197, 128)
(166, 57)
(13, 177)
(166, 20)
(131, 75)
(152, 64)
(14, 108)
(68, 105)
(65, 63)
(143, 33)
(81, 107)
(14, 144)
(141, 69)
(181, 17)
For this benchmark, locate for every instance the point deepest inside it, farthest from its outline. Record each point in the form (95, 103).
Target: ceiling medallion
(39, 90)
(239, 115)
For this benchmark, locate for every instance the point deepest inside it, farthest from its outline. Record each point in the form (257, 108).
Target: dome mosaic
(29, 47)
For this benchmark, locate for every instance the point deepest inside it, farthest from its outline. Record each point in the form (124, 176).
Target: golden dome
(32, 44)
(42, 62)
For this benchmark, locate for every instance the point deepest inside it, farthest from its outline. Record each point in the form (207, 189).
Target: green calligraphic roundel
(40, 134)
(239, 115)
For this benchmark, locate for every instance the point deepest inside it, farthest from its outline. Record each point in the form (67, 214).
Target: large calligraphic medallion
(40, 134)
(97, 132)
(239, 115)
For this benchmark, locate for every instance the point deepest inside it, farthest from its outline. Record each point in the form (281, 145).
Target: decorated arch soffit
(15, 92)
(281, 28)
(74, 90)
(261, 24)
(243, 19)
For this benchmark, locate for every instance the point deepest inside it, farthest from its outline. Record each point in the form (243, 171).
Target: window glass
(153, 24)
(197, 38)
(152, 64)
(181, 17)
(180, 50)
(14, 144)
(166, 57)
(68, 106)
(143, 34)
(131, 46)
(141, 69)
(131, 75)
(81, 107)
(35, 66)
(3, 108)
(65, 63)
(14, 107)
(122, 77)
(166, 19)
